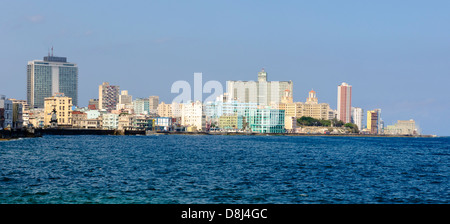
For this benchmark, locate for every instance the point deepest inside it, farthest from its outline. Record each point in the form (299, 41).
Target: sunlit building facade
(344, 103)
(62, 105)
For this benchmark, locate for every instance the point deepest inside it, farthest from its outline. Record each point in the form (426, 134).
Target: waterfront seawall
(13, 134)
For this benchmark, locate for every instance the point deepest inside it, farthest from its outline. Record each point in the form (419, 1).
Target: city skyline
(394, 57)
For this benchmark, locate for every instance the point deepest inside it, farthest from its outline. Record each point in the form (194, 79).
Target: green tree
(337, 123)
(325, 123)
(310, 121)
(353, 127)
(307, 121)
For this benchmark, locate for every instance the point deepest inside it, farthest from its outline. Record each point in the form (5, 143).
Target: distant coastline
(7, 134)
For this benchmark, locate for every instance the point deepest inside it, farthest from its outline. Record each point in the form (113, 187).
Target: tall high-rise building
(153, 103)
(108, 96)
(357, 117)
(125, 101)
(141, 106)
(374, 122)
(50, 76)
(344, 103)
(262, 92)
(124, 98)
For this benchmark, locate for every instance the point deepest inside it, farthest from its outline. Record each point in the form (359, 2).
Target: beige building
(165, 110)
(124, 98)
(311, 108)
(125, 121)
(94, 123)
(291, 109)
(36, 117)
(77, 119)
(290, 123)
(63, 107)
(402, 128)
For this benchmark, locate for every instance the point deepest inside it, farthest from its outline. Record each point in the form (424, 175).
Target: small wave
(6, 179)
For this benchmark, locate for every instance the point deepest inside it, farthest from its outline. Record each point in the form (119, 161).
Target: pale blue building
(266, 120)
(218, 108)
(50, 76)
(141, 106)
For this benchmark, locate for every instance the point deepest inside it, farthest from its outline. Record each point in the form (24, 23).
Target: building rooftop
(55, 59)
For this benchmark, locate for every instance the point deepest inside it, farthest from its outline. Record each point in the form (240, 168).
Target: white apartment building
(357, 117)
(141, 106)
(192, 115)
(6, 107)
(110, 121)
(177, 109)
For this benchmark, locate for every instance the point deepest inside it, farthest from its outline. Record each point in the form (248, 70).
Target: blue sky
(395, 54)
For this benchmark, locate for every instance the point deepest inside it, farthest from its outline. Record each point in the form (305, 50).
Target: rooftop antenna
(52, 51)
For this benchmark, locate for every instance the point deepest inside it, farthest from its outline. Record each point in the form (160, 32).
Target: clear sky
(395, 54)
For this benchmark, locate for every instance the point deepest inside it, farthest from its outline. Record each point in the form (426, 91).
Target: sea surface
(202, 169)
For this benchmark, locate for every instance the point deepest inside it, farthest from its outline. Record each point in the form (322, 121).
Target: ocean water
(225, 169)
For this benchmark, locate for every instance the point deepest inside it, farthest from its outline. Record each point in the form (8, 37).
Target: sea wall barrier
(12, 134)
